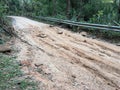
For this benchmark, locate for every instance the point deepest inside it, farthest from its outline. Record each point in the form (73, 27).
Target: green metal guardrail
(85, 25)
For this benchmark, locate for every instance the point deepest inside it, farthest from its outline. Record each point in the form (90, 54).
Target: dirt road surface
(59, 59)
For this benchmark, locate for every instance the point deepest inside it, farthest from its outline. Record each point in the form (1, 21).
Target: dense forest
(95, 11)
(92, 11)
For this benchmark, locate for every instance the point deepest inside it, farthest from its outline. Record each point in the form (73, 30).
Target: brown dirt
(62, 60)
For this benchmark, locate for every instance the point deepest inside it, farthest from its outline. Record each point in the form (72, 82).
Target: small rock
(51, 26)
(42, 35)
(118, 44)
(108, 83)
(85, 41)
(73, 76)
(71, 62)
(83, 34)
(60, 32)
(5, 49)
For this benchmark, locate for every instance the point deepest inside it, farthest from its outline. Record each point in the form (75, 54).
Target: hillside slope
(62, 60)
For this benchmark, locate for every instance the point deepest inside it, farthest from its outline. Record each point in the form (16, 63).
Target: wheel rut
(58, 58)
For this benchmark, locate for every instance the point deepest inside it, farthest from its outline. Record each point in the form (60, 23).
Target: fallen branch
(5, 49)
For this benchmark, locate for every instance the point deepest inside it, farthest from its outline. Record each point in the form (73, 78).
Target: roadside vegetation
(94, 11)
(11, 76)
(91, 11)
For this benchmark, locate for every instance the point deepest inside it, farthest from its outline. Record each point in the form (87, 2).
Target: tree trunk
(68, 8)
(54, 7)
(119, 12)
(117, 3)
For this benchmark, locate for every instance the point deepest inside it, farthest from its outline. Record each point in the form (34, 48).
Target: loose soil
(59, 59)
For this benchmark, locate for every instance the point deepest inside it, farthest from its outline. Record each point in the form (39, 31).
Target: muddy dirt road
(62, 60)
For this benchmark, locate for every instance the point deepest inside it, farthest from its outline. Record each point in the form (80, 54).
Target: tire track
(96, 58)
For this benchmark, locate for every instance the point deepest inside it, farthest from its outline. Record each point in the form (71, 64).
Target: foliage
(79, 9)
(94, 11)
(9, 73)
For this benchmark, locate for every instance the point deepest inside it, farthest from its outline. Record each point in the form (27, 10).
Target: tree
(117, 3)
(68, 8)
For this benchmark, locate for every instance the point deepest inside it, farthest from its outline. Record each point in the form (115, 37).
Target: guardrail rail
(81, 24)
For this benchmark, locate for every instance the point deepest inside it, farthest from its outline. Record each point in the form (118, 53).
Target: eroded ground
(62, 60)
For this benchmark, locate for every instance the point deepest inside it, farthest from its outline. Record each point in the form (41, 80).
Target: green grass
(11, 76)
(10, 73)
